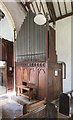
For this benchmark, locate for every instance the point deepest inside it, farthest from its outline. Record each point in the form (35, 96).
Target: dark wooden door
(6, 54)
(18, 76)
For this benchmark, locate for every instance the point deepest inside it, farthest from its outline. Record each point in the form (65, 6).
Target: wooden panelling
(19, 75)
(50, 87)
(52, 50)
(55, 81)
(4, 76)
(47, 84)
(25, 75)
(32, 76)
(7, 55)
(10, 84)
(0, 49)
(42, 85)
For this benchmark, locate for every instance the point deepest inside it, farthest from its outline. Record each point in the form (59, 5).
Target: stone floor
(23, 100)
(10, 109)
(2, 90)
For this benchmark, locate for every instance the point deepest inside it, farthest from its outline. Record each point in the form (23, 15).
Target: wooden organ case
(34, 43)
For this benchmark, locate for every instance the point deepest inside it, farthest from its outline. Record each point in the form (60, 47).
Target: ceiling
(14, 12)
(54, 10)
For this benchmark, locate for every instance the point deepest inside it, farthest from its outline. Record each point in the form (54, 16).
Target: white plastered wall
(72, 52)
(63, 48)
(6, 29)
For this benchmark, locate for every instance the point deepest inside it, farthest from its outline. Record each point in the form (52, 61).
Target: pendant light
(40, 19)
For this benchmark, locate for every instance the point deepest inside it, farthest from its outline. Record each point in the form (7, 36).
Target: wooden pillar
(47, 56)
(14, 51)
(47, 25)
(24, 109)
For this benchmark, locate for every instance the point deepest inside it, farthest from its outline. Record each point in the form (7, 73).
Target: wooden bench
(30, 107)
(27, 109)
(29, 94)
(41, 112)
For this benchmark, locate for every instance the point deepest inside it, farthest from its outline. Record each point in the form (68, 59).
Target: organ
(36, 60)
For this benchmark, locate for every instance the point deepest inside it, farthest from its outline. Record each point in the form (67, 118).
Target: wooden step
(15, 98)
(22, 100)
(25, 95)
(23, 87)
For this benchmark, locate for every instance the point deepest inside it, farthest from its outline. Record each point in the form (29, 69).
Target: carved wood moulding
(31, 64)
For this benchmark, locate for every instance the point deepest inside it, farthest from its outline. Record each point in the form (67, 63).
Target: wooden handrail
(22, 116)
(36, 104)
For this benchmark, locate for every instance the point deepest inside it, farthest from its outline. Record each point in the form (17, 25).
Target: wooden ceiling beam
(37, 6)
(33, 8)
(52, 11)
(59, 8)
(63, 16)
(65, 6)
(28, 5)
(23, 6)
(42, 8)
(50, 14)
(72, 5)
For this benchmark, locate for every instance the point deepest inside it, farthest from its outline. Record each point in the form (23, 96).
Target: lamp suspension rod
(40, 5)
